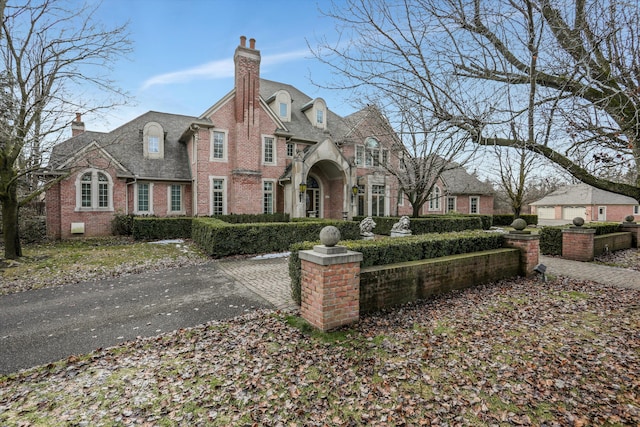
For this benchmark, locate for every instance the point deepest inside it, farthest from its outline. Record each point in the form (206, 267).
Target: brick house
(585, 201)
(264, 147)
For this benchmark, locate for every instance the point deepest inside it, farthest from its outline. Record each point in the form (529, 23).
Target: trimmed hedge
(395, 250)
(219, 239)
(551, 237)
(505, 220)
(161, 228)
(433, 223)
(252, 218)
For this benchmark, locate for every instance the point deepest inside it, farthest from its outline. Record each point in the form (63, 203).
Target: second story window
(290, 149)
(284, 111)
(153, 140)
(320, 117)
(218, 147)
(268, 150)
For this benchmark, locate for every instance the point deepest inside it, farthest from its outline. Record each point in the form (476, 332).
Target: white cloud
(216, 70)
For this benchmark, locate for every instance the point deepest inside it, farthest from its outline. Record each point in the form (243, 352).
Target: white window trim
(478, 204)
(293, 149)
(274, 149)
(139, 212)
(455, 204)
(401, 197)
(224, 193)
(434, 202)
(360, 159)
(181, 211)
(94, 192)
(273, 194)
(225, 145)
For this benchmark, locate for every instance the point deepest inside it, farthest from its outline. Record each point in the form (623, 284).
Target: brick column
(635, 232)
(577, 243)
(330, 286)
(529, 245)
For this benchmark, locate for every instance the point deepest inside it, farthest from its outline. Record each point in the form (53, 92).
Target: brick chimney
(247, 81)
(77, 126)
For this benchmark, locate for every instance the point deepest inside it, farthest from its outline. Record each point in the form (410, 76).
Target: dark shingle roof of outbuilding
(125, 145)
(459, 181)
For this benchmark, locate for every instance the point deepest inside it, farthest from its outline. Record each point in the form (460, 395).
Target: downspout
(126, 199)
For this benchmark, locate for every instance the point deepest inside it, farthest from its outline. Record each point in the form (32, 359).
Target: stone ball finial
(519, 224)
(629, 218)
(578, 221)
(329, 236)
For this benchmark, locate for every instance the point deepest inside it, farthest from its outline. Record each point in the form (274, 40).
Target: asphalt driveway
(45, 325)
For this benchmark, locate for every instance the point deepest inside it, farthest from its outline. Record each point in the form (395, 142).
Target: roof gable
(583, 194)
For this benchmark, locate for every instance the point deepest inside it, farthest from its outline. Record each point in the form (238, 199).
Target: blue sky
(182, 60)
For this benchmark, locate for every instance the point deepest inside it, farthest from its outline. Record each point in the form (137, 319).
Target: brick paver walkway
(615, 276)
(267, 277)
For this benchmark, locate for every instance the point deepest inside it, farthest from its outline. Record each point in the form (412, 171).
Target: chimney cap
(252, 43)
(243, 41)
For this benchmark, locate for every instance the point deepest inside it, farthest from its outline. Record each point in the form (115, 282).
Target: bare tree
(55, 55)
(568, 72)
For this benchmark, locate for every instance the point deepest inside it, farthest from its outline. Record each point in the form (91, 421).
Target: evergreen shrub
(151, 228)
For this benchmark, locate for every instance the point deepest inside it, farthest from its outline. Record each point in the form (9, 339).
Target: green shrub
(432, 223)
(396, 250)
(122, 224)
(551, 240)
(147, 228)
(220, 239)
(253, 218)
(531, 219)
(505, 220)
(33, 229)
(603, 227)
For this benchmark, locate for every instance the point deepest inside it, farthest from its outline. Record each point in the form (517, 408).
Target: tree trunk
(12, 247)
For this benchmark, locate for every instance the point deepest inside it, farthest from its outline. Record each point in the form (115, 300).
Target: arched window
(94, 191)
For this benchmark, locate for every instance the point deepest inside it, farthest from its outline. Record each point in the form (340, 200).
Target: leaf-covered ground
(72, 261)
(513, 353)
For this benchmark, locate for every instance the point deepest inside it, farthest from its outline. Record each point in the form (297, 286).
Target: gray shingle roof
(125, 145)
(583, 194)
(300, 126)
(459, 181)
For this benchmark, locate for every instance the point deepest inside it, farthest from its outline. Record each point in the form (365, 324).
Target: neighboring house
(584, 201)
(264, 147)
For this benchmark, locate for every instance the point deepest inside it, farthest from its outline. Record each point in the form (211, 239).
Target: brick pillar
(330, 286)
(577, 243)
(634, 229)
(529, 245)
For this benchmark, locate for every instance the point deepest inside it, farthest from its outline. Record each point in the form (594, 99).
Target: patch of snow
(168, 242)
(271, 256)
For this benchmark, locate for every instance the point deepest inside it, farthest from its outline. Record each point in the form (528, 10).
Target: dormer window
(316, 112)
(280, 103)
(153, 141)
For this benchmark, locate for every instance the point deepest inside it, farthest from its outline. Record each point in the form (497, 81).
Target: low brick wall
(611, 242)
(394, 284)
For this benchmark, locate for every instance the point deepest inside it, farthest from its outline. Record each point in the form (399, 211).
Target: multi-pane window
(217, 149)
(86, 190)
(636, 210)
(377, 200)
(176, 198)
(290, 149)
(267, 197)
(217, 197)
(103, 191)
(94, 191)
(359, 155)
(474, 203)
(451, 204)
(320, 116)
(434, 199)
(143, 197)
(154, 144)
(374, 155)
(268, 150)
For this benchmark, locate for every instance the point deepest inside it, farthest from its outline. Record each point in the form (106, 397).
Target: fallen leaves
(512, 353)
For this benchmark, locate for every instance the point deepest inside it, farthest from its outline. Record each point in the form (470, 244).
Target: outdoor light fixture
(354, 193)
(303, 190)
(541, 269)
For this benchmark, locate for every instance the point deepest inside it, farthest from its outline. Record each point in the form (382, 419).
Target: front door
(313, 198)
(602, 213)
